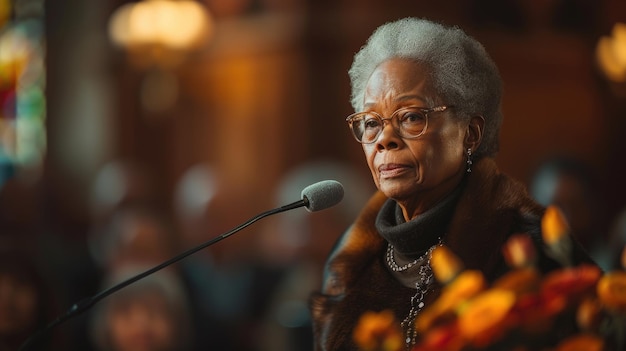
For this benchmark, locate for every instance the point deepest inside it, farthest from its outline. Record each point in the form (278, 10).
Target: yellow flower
(483, 319)
(589, 314)
(378, 331)
(519, 251)
(445, 264)
(555, 231)
(611, 290)
(520, 281)
(466, 285)
(581, 342)
(554, 226)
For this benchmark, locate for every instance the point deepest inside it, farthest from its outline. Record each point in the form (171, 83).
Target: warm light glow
(177, 25)
(611, 54)
(147, 22)
(187, 27)
(619, 43)
(5, 12)
(118, 25)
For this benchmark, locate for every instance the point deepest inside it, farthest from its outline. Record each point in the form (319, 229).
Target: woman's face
(415, 172)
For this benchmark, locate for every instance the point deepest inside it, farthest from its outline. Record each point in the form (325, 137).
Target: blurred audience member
(26, 302)
(570, 184)
(124, 224)
(151, 314)
(136, 234)
(119, 183)
(215, 292)
(194, 191)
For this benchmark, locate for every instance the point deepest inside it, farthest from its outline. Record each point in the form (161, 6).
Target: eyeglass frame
(396, 129)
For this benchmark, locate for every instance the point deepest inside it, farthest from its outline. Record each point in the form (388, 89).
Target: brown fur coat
(491, 207)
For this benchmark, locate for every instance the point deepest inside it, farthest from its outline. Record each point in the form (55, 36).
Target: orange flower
(520, 281)
(554, 226)
(378, 331)
(581, 342)
(571, 283)
(442, 338)
(589, 314)
(519, 251)
(555, 230)
(446, 265)
(466, 285)
(482, 320)
(611, 290)
(533, 314)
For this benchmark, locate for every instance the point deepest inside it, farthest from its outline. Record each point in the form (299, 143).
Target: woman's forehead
(398, 80)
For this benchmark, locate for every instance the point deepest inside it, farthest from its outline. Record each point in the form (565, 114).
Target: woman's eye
(412, 117)
(370, 122)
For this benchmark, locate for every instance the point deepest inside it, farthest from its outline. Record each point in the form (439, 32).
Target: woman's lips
(390, 170)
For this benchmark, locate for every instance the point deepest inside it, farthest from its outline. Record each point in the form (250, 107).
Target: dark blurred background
(130, 131)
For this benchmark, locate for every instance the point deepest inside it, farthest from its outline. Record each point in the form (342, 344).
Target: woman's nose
(388, 138)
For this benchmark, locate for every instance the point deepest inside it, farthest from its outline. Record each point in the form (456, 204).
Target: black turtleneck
(412, 239)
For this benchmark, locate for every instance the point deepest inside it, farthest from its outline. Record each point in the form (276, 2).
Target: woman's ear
(474, 134)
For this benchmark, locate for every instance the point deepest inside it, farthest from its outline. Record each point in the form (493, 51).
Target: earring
(469, 160)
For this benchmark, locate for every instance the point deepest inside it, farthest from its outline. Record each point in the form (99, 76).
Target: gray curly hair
(462, 72)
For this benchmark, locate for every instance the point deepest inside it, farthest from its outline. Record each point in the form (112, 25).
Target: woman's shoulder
(356, 247)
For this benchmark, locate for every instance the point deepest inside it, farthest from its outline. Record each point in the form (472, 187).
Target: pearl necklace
(391, 262)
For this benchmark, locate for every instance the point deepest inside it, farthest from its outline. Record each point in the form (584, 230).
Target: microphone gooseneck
(315, 197)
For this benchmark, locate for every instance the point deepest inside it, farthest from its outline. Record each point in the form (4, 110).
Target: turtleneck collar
(411, 239)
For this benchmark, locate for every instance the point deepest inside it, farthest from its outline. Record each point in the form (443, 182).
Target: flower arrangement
(572, 308)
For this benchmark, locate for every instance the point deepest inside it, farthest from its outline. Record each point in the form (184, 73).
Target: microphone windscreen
(322, 195)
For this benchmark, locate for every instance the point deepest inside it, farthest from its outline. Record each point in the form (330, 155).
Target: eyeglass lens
(407, 122)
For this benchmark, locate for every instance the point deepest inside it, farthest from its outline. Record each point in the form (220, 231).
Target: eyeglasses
(408, 122)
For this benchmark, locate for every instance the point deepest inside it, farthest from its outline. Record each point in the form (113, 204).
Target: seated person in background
(26, 302)
(151, 314)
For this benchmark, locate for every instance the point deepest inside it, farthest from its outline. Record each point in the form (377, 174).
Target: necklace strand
(417, 303)
(391, 262)
(423, 285)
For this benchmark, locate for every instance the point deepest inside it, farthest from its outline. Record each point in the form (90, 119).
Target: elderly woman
(428, 115)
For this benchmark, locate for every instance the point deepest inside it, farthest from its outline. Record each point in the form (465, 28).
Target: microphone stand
(83, 305)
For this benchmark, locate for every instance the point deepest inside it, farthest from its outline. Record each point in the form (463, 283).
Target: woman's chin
(394, 189)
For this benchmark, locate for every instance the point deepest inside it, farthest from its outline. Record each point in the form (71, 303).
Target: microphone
(315, 197)
(322, 195)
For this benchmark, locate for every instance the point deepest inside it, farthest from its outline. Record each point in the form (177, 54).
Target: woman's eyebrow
(402, 98)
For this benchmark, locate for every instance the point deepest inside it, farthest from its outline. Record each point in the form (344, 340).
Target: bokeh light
(175, 25)
(611, 54)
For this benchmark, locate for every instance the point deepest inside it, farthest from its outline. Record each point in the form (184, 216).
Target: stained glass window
(22, 86)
